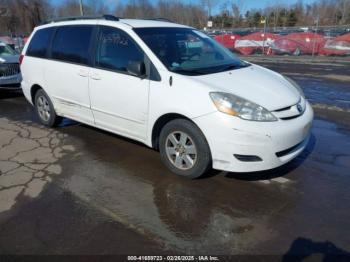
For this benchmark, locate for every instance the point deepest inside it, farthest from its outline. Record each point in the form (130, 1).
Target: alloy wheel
(43, 108)
(181, 150)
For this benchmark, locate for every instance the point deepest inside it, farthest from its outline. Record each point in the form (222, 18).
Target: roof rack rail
(161, 19)
(73, 18)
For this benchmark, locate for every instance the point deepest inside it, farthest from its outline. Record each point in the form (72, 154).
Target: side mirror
(136, 68)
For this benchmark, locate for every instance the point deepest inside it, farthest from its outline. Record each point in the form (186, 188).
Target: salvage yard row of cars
(295, 43)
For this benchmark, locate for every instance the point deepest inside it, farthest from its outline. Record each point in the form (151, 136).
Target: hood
(256, 84)
(9, 59)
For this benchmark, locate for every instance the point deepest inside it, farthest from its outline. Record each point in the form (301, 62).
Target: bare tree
(210, 5)
(344, 7)
(236, 14)
(23, 15)
(20, 16)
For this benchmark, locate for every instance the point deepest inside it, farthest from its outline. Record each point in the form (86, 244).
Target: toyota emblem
(300, 108)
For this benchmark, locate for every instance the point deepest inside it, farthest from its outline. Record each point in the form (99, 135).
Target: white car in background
(10, 75)
(168, 86)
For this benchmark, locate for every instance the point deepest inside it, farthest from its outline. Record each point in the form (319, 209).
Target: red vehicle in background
(255, 42)
(227, 40)
(337, 46)
(299, 44)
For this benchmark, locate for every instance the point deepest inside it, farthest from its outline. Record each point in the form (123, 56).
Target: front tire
(45, 110)
(184, 149)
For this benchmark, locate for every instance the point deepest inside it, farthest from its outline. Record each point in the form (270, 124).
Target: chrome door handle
(83, 73)
(95, 77)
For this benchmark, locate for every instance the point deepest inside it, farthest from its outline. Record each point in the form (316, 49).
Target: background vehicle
(298, 44)
(337, 46)
(10, 75)
(8, 41)
(255, 42)
(227, 40)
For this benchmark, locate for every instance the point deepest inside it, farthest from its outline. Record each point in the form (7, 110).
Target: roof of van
(134, 23)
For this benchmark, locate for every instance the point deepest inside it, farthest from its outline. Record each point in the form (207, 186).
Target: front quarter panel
(184, 96)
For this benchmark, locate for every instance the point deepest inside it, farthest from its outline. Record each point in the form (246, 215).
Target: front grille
(283, 109)
(288, 113)
(7, 70)
(290, 117)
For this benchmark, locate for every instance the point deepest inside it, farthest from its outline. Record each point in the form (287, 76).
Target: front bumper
(275, 143)
(11, 81)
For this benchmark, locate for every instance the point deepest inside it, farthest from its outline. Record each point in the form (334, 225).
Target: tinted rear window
(71, 44)
(40, 43)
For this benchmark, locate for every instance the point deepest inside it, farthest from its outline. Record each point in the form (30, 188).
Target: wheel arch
(160, 123)
(33, 90)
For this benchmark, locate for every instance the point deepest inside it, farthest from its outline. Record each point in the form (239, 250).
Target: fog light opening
(248, 158)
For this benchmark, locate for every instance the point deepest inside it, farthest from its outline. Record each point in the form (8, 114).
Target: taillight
(20, 59)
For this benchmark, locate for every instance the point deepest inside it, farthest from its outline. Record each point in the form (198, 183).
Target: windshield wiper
(234, 66)
(187, 71)
(209, 70)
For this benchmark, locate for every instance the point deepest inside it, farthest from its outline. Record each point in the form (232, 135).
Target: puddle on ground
(322, 92)
(221, 214)
(217, 214)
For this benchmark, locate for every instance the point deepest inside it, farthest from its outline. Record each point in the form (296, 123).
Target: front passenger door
(119, 101)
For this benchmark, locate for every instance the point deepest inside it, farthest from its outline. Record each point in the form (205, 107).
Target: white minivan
(168, 86)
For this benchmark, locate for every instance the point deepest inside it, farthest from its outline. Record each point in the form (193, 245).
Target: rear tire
(45, 110)
(184, 149)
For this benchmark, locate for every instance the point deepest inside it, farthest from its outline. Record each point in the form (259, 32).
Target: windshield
(5, 50)
(188, 51)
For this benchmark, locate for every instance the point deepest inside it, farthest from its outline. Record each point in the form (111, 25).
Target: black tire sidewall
(53, 117)
(203, 163)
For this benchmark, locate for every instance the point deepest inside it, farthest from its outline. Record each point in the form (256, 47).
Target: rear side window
(40, 43)
(115, 49)
(71, 44)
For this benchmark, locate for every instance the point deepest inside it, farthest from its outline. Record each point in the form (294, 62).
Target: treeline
(20, 16)
(322, 12)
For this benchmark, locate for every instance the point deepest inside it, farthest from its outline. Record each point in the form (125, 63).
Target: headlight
(297, 87)
(237, 106)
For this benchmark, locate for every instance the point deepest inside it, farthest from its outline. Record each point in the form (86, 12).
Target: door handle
(95, 76)
(83, 73)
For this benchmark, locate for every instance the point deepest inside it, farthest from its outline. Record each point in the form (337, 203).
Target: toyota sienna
(168, 86)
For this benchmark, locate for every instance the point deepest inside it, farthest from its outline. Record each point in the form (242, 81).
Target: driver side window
(115, 49)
